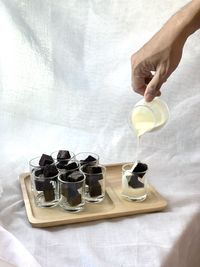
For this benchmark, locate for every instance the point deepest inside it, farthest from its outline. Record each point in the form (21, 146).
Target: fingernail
(149, 97)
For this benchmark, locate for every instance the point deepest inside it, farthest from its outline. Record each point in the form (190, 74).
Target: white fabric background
(65, 83)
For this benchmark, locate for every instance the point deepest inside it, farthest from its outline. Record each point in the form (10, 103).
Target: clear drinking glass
(44, 180)
(94, 183)
(134, 184)
(71, 193)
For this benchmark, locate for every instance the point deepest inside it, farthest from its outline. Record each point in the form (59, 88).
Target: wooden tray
(114, 205)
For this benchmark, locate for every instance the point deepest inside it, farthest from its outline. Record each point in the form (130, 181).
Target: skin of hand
(162, 54)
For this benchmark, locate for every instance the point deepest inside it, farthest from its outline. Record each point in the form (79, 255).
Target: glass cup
(94, 183)
(134, 184)
(44, 180)
(88, 158)
(148, 116)
(71, 193)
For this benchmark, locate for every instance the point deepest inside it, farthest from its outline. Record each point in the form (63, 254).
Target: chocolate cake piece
(49, 195)
(38, 179)
(49, 189)
(89, 160)
(75, 200)
(76, 176)
(50, 170)
(39, 184)
(87, 179)
(64, 190)
(45, 160)
(93, 174)
(140, 169)
(73, 197)
(97, 171)
(63, 155)
(62, 164)
(71, 166)
(134, 182)
(95, 190)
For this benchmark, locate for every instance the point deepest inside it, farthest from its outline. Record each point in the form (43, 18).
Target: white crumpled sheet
(65, 83)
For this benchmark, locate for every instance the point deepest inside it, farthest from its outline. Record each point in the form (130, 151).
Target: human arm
(163, 52)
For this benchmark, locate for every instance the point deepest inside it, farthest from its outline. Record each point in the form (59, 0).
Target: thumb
(153, 87)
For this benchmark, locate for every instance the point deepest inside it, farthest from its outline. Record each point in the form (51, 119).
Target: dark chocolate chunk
(49, 194)
(71, 166)
(63, 154)
(39, 184)
(76, 176)
(75, 200)
(93, 174)
(64, 190)
(49, 184)
(97, 171)
(50, 170)
(140, 169)
(67, 166)
(45, 160)
(72, 195)
(87, 179)
(134, 182)
(61, 164)
(89, 160)
(92, 179)
(95, 190)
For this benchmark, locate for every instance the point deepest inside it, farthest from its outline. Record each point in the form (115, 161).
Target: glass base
(135, 198)
(64, 204)
(97, 199)
(42, 203)
(71, 208)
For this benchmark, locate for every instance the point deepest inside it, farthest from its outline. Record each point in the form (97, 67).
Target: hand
(163, 52)
(161, 55)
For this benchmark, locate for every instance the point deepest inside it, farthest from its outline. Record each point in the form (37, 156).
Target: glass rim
(158, 100)
(99, 165)
(89, 153)
(126, 164)
(38, 157)
(45, 177)
(67, 182)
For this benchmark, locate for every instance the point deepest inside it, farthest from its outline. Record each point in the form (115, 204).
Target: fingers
(153, 88)
(144, 83)
(140, 81)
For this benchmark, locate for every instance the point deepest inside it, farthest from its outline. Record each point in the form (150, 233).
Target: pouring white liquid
(147, 117)
(142, 120)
